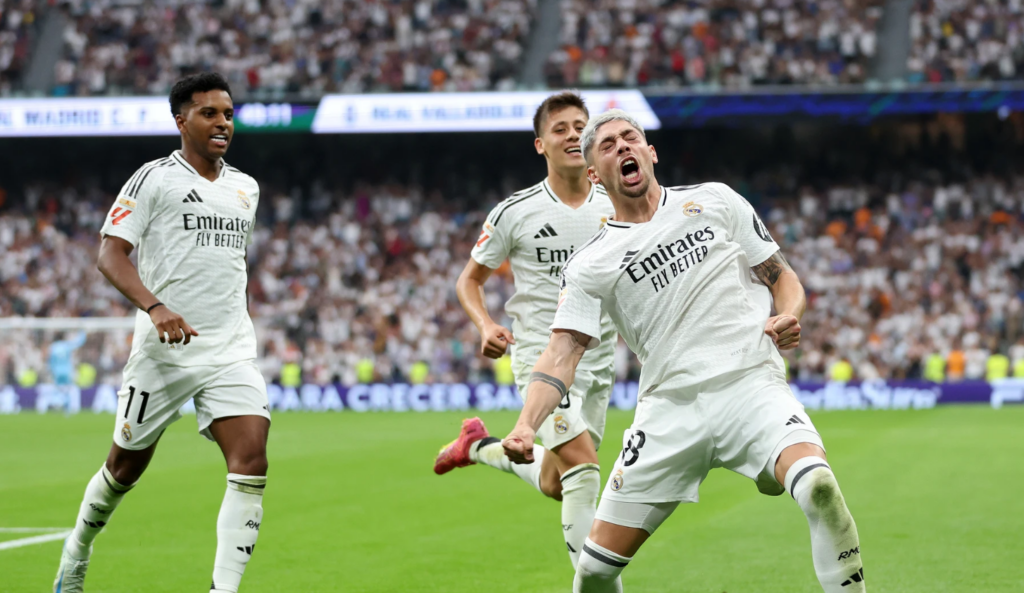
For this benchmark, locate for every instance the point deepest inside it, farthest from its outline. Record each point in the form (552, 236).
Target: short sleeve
(746, 226)
(130, 215)
(493, 245)
(578, 310)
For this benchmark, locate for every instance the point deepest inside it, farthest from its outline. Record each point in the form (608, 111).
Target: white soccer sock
(835, 546)
(102, 496)
(238, 526)
(598, 570)
(580, 487)
(490, 452)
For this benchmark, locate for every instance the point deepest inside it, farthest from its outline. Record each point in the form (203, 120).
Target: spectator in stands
(923, 282)
(18, 32)
(306, 47)
(966, 40)
(718, 43)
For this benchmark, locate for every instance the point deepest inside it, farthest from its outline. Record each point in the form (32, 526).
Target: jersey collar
(177, 157)
(628, 225)
(551, 193)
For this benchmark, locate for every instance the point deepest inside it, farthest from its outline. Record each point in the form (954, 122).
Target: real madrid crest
(692, 209)
(561, 424)
(244, 200)
(617, 481)
(126, 432)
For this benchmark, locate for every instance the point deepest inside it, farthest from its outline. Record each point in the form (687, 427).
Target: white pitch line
(31, 529)
(28, 541)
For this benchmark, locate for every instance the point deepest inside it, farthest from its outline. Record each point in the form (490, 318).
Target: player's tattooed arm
(788, 299)
(772, 268)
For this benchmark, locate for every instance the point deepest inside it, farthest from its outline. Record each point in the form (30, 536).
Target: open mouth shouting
(630, 170)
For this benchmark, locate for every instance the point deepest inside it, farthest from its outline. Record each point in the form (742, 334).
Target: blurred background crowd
(908, 239)
(305, 48)
(723, 42)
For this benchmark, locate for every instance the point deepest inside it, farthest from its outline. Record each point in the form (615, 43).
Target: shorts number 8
(634, 451)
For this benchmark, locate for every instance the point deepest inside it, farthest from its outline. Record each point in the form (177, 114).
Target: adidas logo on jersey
(794, 420)
(628, 258)
(193, 196)
(547, 231)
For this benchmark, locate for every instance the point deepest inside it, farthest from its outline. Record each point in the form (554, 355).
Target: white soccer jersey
(677, 287)
(191, 235)
(538, 233)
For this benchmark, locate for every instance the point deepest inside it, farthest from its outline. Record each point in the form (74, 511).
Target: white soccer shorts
(153, 393)
(584, 408)
(740, 421)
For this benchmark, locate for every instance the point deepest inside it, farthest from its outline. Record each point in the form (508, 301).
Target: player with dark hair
(673, 272)
(537, 229)
(191, 217)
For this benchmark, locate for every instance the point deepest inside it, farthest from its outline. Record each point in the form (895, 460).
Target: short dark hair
(181, 93)
(557, 103)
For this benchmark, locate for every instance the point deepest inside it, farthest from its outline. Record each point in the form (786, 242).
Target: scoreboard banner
(134, 116)
(506, 111)
(441, 397)
(460, 112)
(858, 105)
(87, 116)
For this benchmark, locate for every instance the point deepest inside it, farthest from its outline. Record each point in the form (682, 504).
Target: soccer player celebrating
(191, 217)
(537, 229)
(672, 270)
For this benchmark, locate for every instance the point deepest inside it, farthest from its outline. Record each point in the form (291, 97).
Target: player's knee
(125, 466)
(252, 463)
(551, 486)
(125, 473)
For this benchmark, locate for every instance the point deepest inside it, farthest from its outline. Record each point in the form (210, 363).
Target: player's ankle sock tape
(101, 497)
(598, 570)
(238, 526)
(249, 484)
(835, 546)
(487, 444)
(114, 484)
(580, 487)
(489, 451)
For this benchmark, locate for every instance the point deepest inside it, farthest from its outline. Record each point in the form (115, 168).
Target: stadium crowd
(304, 47)
(965, 40)
(725, 43)
(308, 47)
(18, 23)
(359, 287)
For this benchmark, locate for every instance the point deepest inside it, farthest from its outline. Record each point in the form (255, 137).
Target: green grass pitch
(352, 505)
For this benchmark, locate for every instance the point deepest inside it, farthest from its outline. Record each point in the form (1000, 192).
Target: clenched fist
(519, 444)
(494, 340)
(784, 330)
